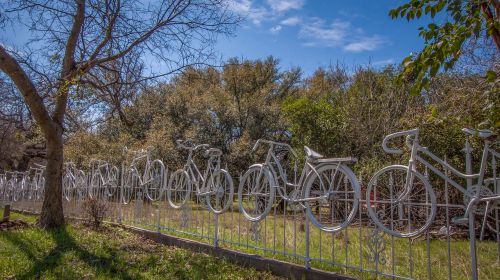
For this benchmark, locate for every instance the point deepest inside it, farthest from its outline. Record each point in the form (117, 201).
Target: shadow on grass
(65, 243)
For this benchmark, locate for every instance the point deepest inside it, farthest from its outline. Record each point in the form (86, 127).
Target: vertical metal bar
(496, 192)
(216, 231)
(448, 241)
(120, 214)
(429, 271)
(468, 161)
(158, 219)
(284, 226)
(472, 243)
(274, 231)
(360, 229)
(472, 232)
(295, 232)
(307, 258)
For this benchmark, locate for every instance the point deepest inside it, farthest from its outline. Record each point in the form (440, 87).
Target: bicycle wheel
(2, 188)
(112, 183)
(335, 193)
(40, 189)
(486, 213)
(179, 189)
(95, 185)
(10, 190)
(80, 184)
(220, 186)
(154, 186)
(396, 215)
(129, 186)
(68, 185)
(256, 192)
(16, 190)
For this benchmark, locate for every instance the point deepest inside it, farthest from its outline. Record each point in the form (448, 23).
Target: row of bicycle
(399, 198)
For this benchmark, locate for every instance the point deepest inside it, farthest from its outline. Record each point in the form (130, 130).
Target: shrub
(95, 211)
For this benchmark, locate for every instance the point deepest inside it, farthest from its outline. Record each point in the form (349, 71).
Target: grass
(279, 237)
(78, 252)
(403, 257)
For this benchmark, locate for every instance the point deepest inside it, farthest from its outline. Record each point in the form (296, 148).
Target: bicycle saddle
(312, 154)
(213, 152)
(483, 133)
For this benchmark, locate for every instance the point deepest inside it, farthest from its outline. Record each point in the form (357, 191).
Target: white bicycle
(215, 184)
(37, 181)
(150, 180)
(74, 180)
(401, 201)
(327, 188)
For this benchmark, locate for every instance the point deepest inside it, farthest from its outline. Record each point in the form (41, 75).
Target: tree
(91, 34)
(465, 20)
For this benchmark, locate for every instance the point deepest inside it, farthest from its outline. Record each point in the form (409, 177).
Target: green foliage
(443, 42)
(315, 122)
(332, 112)
(75, 252)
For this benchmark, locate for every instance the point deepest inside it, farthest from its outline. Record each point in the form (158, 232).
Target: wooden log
(6, 213)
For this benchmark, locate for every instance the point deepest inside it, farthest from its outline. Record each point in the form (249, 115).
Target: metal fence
(444, 249)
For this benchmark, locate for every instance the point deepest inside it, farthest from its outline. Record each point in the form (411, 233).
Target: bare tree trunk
(52, 210)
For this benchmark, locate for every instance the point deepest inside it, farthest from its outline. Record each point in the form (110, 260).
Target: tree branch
(68, 66)
(30, 94)
(490, 18)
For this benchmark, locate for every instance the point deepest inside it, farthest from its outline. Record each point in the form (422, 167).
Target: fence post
(472, 232)
(472, 243)
(6, 213)
(216, 231)
(158, 219)
(307, 258)
(120, 202)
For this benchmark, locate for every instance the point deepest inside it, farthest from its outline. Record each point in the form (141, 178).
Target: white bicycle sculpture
(401, 201)
(327, 188)
(17, 185)
(37, 181)
(103, 179)
(215, 184)
(150, 181)
(74, 181)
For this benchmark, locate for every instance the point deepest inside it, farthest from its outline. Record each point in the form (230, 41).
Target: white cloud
(338, 33)
(276, 29)
(291, 21)
(285, 5)
(383, 62)
(365, 44)
(271, 10)
(330, 35)
(246, 8)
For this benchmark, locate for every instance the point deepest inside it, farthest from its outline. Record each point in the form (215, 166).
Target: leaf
(491, 76)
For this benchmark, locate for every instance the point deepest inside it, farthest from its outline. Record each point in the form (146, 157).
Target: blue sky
(307, 33)
(313, 33)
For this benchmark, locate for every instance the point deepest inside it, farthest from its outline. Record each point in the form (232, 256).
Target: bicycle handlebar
(406, 133)
(146, 150)
(38, 165)
(273, 143)
(180, 144)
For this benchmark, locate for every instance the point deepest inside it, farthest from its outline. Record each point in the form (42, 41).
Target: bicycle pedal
(460, 220)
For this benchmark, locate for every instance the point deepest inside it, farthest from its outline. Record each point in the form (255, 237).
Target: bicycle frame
(306, 170)
(143, 180)
(415, 157)
(98, 168)
(194, 172)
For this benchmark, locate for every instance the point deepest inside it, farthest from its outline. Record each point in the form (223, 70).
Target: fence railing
(444, 250)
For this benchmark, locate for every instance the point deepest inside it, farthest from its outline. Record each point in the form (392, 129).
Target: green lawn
(349, 247)
(77, 252)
